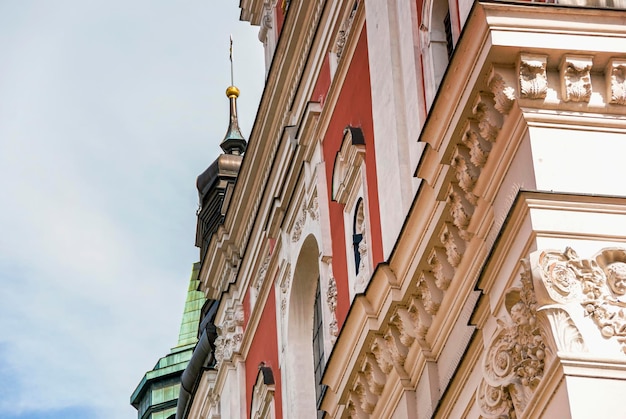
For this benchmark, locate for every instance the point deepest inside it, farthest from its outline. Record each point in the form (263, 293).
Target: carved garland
(597, 286)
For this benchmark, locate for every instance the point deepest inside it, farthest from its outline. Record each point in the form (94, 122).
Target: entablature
(473, 170)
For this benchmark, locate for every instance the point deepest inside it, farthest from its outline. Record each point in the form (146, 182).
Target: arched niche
(299, 381)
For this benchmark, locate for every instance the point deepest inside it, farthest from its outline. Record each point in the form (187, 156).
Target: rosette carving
(597, 286)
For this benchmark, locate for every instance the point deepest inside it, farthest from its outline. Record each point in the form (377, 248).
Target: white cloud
(109, 112)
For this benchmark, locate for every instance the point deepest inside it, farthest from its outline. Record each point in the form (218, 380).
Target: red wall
(264, 348)
(354, 108)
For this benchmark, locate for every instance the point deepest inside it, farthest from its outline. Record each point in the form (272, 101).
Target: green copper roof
(193, 308)
(157, 394)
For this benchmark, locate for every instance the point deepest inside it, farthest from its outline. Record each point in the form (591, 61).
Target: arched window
(357, 235)
(318, 349)
(437, 43)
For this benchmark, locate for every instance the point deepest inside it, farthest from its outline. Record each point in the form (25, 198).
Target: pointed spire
(233, 142)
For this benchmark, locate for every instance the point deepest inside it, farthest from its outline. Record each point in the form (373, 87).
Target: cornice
(475, 128)
(273, 114)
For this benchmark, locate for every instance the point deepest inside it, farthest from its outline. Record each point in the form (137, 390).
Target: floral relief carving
(313, 209)
(230, 334)
(616, 81)
(342, 36)
(298, 226)
(331, 299)
(597, 286)
(262, 273)
(576, 78)
(514, 361)
(284, 287)
(533, 79)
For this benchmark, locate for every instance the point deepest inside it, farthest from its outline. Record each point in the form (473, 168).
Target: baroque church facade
(428, 219)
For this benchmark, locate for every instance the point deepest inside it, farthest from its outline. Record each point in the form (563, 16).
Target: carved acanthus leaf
(576, 78)
(453, 244)
(616, 81)
(489, 119)
(503, 95)
(532, 76)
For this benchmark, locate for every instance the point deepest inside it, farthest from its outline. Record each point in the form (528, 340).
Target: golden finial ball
(232, 91)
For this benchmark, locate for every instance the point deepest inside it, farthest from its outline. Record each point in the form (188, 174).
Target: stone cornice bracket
(230, 334)
(514, 360)
(266, 21)
(575, 72)
(503, 91)
(615, 74)
(533, 80)
(585, 290)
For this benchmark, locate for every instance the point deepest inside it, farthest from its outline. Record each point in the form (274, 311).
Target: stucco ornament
(616, 81)
(331, 300)
(514, 362)
(342, 35)
(576, 78)
(230, 334)
(597, 286)
(298, 226)
(262, 273)
(503, 95)
(533, 80)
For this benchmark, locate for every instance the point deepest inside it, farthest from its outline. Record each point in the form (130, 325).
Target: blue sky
(109, 109)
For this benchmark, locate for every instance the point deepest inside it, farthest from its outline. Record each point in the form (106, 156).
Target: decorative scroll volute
(514, 361)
